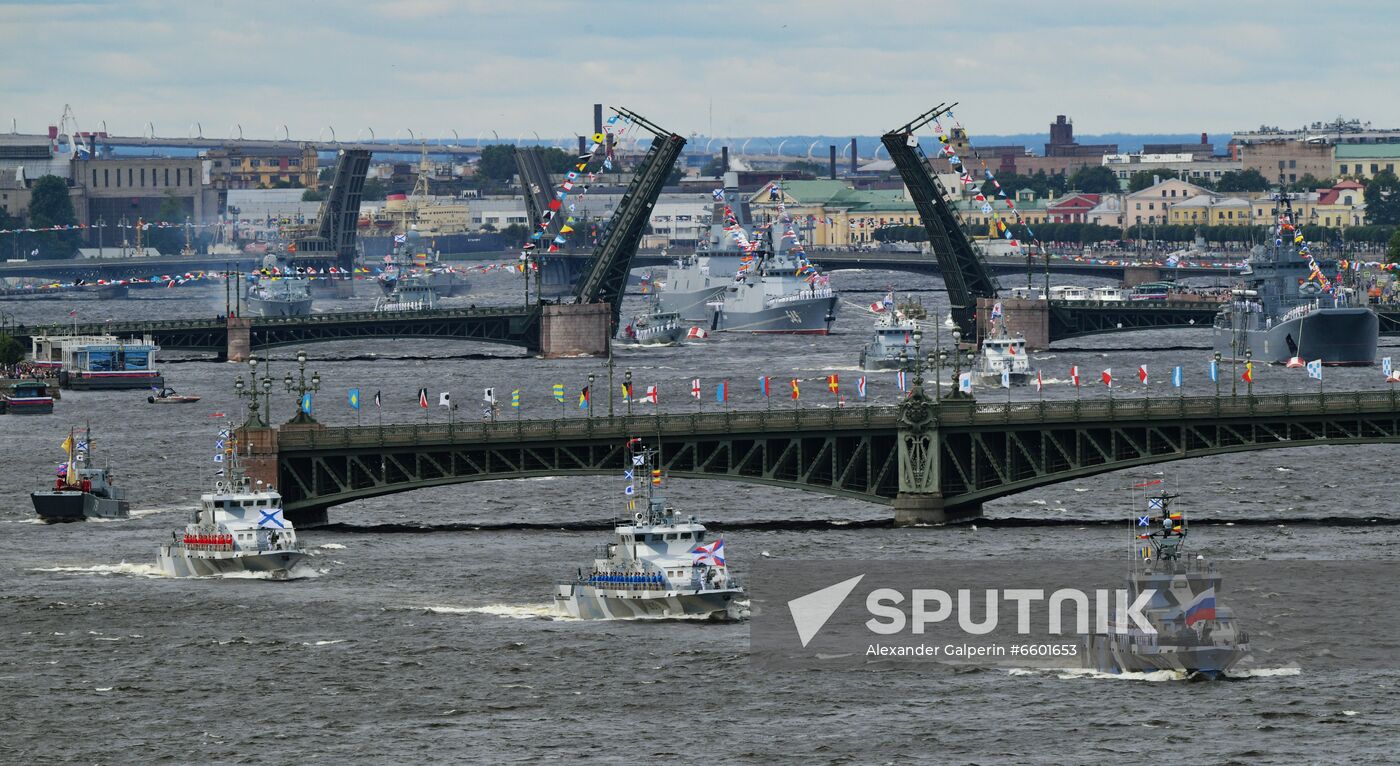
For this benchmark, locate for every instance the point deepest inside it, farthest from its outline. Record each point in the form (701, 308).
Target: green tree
(1383, 199)
(1392, 251)
(1094, 179)
(497, 162)
(170, 239)
(1309, 183)
(1145, 178)
(374, 189)
(11, 352)
(49, 206)
(1242, 181)
(515, 232)
(312, 195)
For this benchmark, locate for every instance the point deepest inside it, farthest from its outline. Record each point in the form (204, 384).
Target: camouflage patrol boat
(660, 565)
(236, 528)
(1192, 633)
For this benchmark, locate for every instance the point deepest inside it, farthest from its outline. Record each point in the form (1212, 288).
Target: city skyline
(717, 69)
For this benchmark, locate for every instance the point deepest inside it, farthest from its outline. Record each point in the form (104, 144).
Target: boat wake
(124, 568)
(601, 525)
(515, 611)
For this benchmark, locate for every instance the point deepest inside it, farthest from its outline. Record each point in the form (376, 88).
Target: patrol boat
(660, 566)
(1003, 360)
(894, 333)
(1288, 311)
(1192, 633)
(653, 327)
(237, 528)
(82, 490)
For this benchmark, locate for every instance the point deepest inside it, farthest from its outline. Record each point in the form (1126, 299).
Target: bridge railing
(960, 413)
(621, 427)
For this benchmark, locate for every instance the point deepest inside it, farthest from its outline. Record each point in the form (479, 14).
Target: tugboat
(1193, 634)
(894, 332)
(1288, 310)
(26, 397)
(237, 528)
(81, 491)
(1003, 360)
(660, 566)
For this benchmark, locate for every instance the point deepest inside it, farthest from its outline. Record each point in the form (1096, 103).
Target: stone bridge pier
(240, 339)
(575, 329)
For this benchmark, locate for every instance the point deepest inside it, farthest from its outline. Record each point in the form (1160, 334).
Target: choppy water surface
(441, 646)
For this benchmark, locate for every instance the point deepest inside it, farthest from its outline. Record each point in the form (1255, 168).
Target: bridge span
(935, 462)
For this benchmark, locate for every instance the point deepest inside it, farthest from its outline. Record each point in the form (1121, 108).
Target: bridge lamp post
(957, 362)
(249, 391)
(301, 387)
(918, 359)
(627, 376)
(1217, 375)
(591, 376)
(1248, 352)
(936, 360)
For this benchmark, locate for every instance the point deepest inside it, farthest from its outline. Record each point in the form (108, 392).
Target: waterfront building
(1187, 165)
(1364, 161)
(241, 167)
(1151, 205)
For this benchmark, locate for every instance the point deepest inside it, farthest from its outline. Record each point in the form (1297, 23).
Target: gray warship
(411, 292)
(82, 490)
(695, 281)
(659, 567)
(277, 293)
(415, 256)
(1288, 311)
(1193, 633)
(236, 528)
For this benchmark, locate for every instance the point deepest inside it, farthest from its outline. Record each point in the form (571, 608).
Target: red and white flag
(1074, 375)
(1107, 377)
(695, 388)
(1142, 374)
(1039, 381)
(651, 395)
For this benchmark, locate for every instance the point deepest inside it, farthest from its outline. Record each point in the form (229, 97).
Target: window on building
(1375, 167)
(294, 162)
(255, 163)
(1292, 163)
(1344, 170)
(106, 181)
(94, 177)
(130, 177)
(143, 176)
(189, 176)
(1347, 199)
(1292, 177)
(1390, 166)
(167, 176)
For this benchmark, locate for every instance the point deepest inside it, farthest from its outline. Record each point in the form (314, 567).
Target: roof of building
(1149, 191)
(1076, 200)
(1367, 151)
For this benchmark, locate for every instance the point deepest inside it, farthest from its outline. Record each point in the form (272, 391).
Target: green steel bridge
(934, 462)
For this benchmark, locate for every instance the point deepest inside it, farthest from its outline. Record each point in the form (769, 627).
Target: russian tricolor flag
(1202, 607)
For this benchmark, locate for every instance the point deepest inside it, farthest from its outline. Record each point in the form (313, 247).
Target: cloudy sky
(717, 67)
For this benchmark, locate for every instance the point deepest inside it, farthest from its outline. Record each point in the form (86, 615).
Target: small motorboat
(168, 396)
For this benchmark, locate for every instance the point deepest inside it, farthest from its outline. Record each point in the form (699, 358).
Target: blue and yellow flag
(515, 398)
(559, 392)
(354, 398)
(306, 402)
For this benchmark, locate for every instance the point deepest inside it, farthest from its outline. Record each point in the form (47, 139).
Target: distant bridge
(934, 462)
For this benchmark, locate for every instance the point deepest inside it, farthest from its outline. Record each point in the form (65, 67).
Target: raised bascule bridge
(935, 460)
(581, 324)
(972, 285)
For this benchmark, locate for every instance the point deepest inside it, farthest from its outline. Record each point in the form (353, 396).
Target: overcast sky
(747, 68)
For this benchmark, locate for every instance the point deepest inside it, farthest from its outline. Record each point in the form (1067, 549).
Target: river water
(440, 645)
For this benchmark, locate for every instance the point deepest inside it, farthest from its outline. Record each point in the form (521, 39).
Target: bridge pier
(1137, 275)
(240, 339)
(929, 509)
(1028, 318)
(575, 329)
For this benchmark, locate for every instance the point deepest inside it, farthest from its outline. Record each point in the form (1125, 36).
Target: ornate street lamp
(301, 388)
